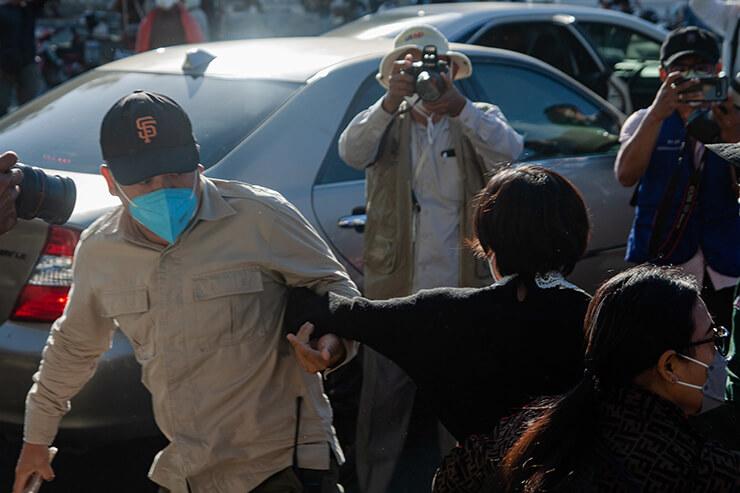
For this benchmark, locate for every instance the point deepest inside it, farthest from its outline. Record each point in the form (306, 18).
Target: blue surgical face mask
(165, 212)
(713, 390)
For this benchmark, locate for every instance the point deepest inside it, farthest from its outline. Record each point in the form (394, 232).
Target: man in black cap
(195, 272)
(686, 202)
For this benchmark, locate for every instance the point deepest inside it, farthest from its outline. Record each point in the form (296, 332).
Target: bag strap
(733, 61)
(661, 249)
(297, 433)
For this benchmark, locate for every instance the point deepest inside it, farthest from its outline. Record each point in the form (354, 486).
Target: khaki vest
(389, 250)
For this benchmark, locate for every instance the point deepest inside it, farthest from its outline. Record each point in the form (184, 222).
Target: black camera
(712, 88)
(427, 72)
(51, 198)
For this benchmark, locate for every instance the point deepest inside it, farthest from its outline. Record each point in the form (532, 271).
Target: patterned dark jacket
(645, 445)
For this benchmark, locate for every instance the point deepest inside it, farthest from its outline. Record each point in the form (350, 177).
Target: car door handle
(355, 221)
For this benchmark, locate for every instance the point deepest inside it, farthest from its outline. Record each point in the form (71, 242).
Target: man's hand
(319, 355)
(33, 459)
(9, 181)
(450, 103)
(728, 118)
(400, 85)
(669, 97)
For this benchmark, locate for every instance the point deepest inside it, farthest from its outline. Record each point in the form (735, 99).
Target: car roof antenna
(196, 62)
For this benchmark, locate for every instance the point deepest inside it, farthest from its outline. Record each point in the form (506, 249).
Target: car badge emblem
(147, 126)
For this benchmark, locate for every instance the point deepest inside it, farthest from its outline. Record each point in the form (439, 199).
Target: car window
(333, 169)
(617, 44)
(552, 43)
(555, 120)
(61, 130)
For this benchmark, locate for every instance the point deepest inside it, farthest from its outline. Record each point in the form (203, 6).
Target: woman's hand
(317, 355)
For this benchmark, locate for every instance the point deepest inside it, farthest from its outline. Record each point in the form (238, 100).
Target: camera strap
(297, 435)
(734, 69)
(658, 249)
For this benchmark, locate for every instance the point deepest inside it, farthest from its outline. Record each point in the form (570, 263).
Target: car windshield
(61, 130)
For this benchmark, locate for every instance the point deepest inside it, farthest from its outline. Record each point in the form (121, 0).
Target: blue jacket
(714, 224)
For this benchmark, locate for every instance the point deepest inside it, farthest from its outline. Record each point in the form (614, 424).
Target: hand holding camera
(427, 75)
(451, 102)
(400, 84)
(672, 95)
(430, 78)
(10, 179)
(27, 192)
(705, 88)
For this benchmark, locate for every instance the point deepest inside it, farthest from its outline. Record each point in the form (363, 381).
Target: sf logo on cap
(147, 126)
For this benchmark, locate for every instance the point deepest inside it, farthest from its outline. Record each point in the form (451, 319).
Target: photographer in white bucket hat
(424, 160)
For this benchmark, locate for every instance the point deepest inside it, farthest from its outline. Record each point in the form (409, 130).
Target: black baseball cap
(689, 41)
(146, 134)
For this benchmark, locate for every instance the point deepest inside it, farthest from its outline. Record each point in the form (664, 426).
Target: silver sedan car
(614, 54)
(267, 112)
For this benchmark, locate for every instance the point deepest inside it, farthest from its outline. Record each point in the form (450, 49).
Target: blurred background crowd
(62, 39)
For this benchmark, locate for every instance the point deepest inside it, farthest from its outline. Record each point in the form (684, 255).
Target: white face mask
(713, 390)
(165, 4)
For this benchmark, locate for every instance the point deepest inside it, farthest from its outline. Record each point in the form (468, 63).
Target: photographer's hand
(9, 181)
(400, 85)
(669, 97)
(450, 103)
(728, 118)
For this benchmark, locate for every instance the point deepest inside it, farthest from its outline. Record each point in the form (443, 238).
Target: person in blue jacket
(686, 199)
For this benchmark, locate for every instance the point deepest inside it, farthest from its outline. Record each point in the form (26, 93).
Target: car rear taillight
(44, 296)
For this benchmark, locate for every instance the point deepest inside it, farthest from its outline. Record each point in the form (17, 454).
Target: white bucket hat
(418, 37)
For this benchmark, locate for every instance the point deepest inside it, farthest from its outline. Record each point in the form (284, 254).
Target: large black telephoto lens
(51, 198)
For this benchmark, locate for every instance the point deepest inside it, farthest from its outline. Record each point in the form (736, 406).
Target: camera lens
(51, 198)
(429, 86)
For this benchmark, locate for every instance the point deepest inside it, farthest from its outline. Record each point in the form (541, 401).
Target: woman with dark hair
(653, 357)
(522, 336)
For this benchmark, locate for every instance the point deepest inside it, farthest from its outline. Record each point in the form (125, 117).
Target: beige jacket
(204, 317)
(389, 248)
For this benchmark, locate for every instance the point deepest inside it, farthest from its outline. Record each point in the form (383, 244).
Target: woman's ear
(666, 366)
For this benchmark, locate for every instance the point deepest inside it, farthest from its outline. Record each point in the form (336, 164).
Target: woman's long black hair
(633, 318)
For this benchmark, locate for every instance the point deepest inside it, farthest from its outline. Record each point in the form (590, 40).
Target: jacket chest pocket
(227, 305)
(449, 178)
(129, 309)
